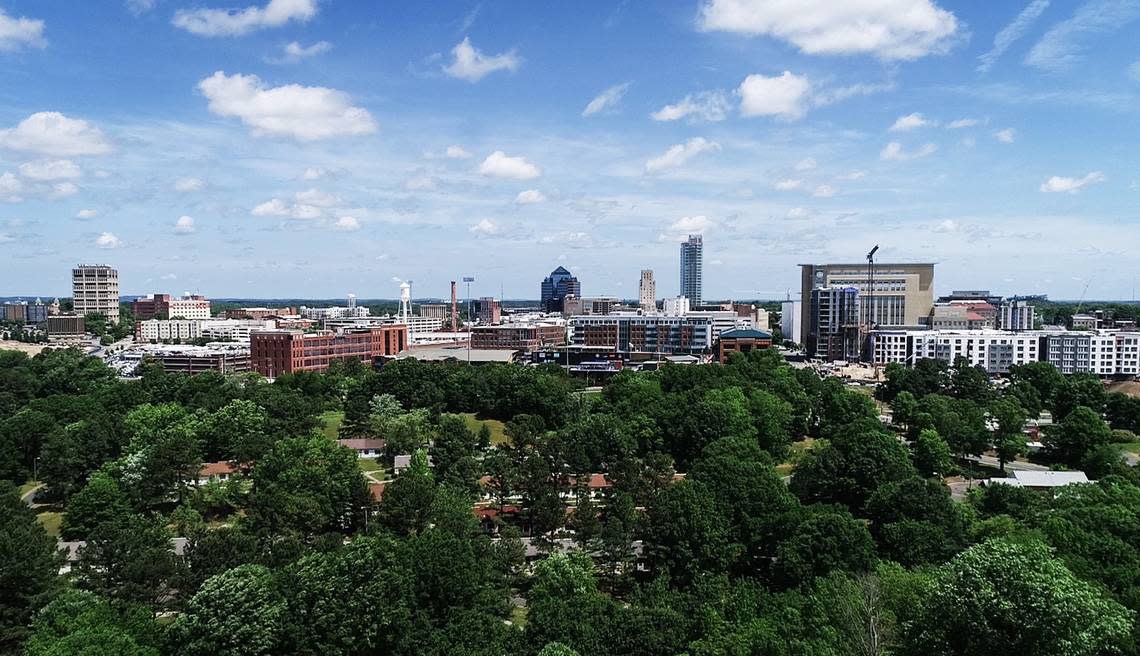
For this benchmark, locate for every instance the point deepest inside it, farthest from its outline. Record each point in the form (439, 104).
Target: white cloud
(86, 214)
(6, 238)
(853, 175)
(19, 33)
(1005, 136)
(186, 185)
(457, 152)
(679, 154)
(680, 229)
(889, 29)
(529, 197)
(895, 152)
(1062, 46)
(787, 185)
(304, 113)
(184, 225)
(806, 164)
(947, 226)
(486, 228)
(63, 190)
(909, 122)
(50, 169)
(139, 7)
(470, 64)
(295, 52)
(799, 213)
(10, 184)
(1058, 184)
(703, 106)
(317, 198)
(961, 123)
(419, 182)
(824, 191)
(313, 173)
(347, 224)
(107, 240)
(786, 95)
(237, 22)
(607, 99)
(499, 165)
(52, 133)
(276, 207)
(1011, 33)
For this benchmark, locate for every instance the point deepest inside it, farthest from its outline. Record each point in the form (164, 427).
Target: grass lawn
(496, 426)
(51, 521)
(370, 465)
(518, 616)
(330, 423)
(26, 487)
(1129, 447)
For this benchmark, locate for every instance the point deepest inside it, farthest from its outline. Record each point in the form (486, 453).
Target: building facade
(157, 330)
(95, 290)
(835, 330)
(489, 311)
(1017, 314)
(647, 291)
(65, 325)
(643, 333)
(692, 269)
(791, 326)
(574, 306)
(556, 287)
(903, 294)
(740, 341)
(518, 337)
(993, 350)
(165, 306)
(435, 310)
(225, 359)
(278, 352)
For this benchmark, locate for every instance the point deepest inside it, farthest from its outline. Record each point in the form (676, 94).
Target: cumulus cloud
(909, 122)
(292, 110)
(86, 214)
(20, 33)
(1005, 136)
(499, 165)
(961, 123)
(806, 164)
(895, 152)
(1058, 184)
(347, 224)
(419, 182)
(313, 173)
(787, 185)
(317, 198)
(186, 185)
(139, 7)
(1064, 44)
(277, 207)
(680, 229)
(824, 191)
(947, 226)
(1011, 33)
(50, 169)
(457, 152)
(295, 52)
(888, 29)
(10, 184)
(184, 225)
(677, 155)
(107, 240)
(63, 190)
(470, 64)
(799, 213)
(238, 22)
(607, 99)
(786, 95)
(529, 197)
(52, 133)
(486, 228)
(703, 106)
(853, 175)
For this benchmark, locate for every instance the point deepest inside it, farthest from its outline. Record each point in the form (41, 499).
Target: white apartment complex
(95, 289)
(158, 330)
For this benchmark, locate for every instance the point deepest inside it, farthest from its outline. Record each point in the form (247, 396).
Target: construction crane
(871, 287)
(1081, 300)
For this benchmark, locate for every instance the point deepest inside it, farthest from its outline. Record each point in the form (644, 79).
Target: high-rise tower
(692, 265)
(647, 291)
(95, 289)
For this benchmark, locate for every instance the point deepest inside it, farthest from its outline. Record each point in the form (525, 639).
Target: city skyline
(307, 149)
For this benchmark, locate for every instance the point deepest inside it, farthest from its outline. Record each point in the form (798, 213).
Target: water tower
(405, 301)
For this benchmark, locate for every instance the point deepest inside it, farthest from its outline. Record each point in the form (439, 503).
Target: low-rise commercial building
(234, 330)
(165, 306)
(741, 340)
(158, 330)
(279, 352)
(517, 337)
(65, 325)
(223, 358)
(644, 333)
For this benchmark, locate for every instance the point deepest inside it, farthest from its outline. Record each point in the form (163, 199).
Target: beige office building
(95, 289)
(647, 291)
(903, 293)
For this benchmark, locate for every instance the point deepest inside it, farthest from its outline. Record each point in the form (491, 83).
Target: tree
(931, 453)
(849, 468)
(686, 534)
(28, 568)
(1009, 440)
(237, 612)
(236, 432)
(904, 410)
(915, 522)
(101, 500)
(453, 453)
(1015, 598)
(1041, 376)
(823, 542)
(1078, 390)
(78, 622)
(564, 606)
(1081, 432)
(407, 501)
(129, 560)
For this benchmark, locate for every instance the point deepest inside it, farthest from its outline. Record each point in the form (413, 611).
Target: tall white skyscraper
(692, 261)
(647, 291)
(95, 290)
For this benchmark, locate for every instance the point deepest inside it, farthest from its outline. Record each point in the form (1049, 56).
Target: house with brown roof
(366, 447)
(211, 472)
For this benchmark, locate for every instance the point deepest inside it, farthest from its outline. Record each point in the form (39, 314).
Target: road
(1020, 465)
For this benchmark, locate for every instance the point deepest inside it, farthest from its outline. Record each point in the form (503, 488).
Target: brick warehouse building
(276, 352)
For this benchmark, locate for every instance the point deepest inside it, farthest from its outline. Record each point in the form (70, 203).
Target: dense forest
(750, 508)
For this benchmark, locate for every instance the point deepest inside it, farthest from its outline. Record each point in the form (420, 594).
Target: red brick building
(277, 352)
(517, 338)
(165, 306)
(740, 340)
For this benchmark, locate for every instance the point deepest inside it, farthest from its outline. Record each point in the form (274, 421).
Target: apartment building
(993, 350)
(835, 331)
(95, 290)
(903, 294)
(518, 337)
(278, 352)
(1016, 314)
(165, 306)
(692, 269)
(643, 333)
(157, 330)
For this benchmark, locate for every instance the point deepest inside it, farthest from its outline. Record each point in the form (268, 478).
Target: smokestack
(454, 311)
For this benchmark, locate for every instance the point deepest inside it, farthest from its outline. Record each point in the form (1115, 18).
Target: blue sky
(320, 147)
